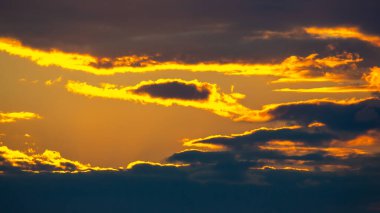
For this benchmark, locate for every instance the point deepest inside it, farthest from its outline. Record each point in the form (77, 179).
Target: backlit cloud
(343, 33)
(370, 83)
(201, 95)
(49, 161)
(291, 69)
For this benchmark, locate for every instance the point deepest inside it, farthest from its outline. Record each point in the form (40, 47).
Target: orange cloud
(11, 117)
(363, 140)
(52, 162)
(292, 168)
(371, 84)
(343, 33)
(298, 149)
(200, 142)
(48, 161)
(373, 78)
(136, 163)
(292, 69)
(225, 105)
(343, 89)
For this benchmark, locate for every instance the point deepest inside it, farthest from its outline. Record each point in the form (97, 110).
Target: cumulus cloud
(328, 137)
(16, 161)
(49, 161)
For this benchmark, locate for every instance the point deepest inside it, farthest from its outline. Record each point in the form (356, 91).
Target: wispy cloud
(292, 69)
(168, 92)
(10, 117)
(343, 33)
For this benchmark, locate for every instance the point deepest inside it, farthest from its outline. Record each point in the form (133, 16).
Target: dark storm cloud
(175, 89)
(187, 30)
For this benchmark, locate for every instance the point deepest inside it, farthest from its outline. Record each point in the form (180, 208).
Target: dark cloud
(196, 156)
(320, 147)
(187, 30)
(175, 89)
(356, 117)
(315, 136)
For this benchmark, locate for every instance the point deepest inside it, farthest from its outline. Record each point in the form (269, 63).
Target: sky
(189, 106)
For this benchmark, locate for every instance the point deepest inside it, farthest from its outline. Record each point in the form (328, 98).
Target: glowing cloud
(156, 92)
(293, 68)
(371, 84)
(11, 117)
(48, 161)
(298, 149)
(343, 89)
(373, 78)
(139, 163)
(343, 33)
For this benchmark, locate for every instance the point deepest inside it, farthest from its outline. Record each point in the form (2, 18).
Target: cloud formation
(201, 95)
(49, 161)
(328, 137)
(370, 83)
(291, 69)
(10, 117)
(342, 33)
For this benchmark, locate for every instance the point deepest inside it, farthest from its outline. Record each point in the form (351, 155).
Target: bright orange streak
(201, 141)
(346, 89)
(344, 33)
(225, 105)
(11, 117)
(293, 148)
(292, 69)
(316, 124)
(284, 168)
(136, 163)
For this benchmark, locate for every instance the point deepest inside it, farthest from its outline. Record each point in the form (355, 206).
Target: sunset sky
(201, 106)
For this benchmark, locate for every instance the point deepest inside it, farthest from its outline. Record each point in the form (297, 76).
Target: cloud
(291, 69)
(139, 163)
(201, 95)
(10, 117)
(341, 89)
(343, 33)
(225, 105)
(186, 31)
(15, 161)
(49, 161)
(317, 32)
(175, 90)
(272, 112)
(371, 83)
(328, 137)
(373, 78)
(360, 115)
